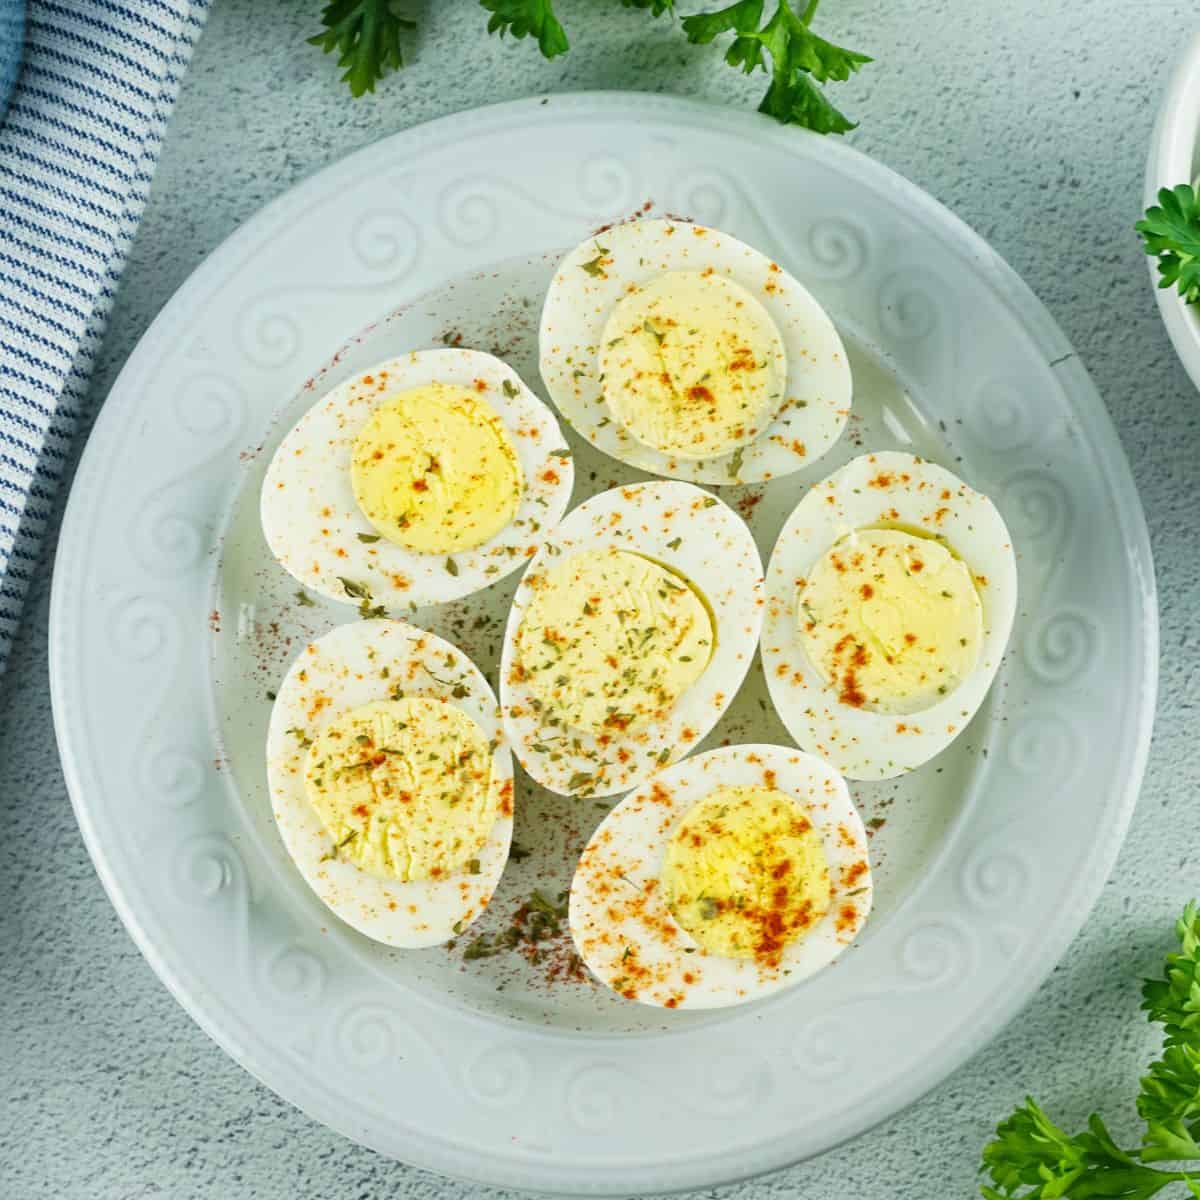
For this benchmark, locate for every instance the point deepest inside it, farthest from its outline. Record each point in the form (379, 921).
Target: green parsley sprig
(800, 59)
(368, 35)
(1171, 232)
(1031, 1158)
(528, 18)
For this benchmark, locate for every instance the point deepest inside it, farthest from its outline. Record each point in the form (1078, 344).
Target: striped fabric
(77, 153)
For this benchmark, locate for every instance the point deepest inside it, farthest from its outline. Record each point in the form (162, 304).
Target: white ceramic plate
(170, 623)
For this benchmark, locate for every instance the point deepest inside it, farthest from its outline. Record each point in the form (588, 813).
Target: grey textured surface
(1030, 120)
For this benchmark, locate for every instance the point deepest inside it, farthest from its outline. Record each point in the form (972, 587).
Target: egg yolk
(435, 470)
(891, 620)
(745, 873)
(611, 640)
(692, 364)
(403, 787)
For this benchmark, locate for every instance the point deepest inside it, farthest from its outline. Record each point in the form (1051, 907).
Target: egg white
(345, 664)
(703, 540)
(630, 845)
(308, 488)
(889, 488)
(578, 304)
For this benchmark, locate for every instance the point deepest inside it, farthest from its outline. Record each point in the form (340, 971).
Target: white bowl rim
(1171, 162)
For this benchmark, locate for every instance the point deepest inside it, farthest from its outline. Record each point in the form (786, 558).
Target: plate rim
(1170, 160)
(1113, 468)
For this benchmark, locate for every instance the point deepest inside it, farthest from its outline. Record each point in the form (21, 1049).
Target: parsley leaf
(366, 37)
(1174, 1000)
(657, 7)
(528, 18)
(1031, 1158)
(1171, 232)
(799, 59)
(595, 266)
(1169, 1103)
(1169, 1100)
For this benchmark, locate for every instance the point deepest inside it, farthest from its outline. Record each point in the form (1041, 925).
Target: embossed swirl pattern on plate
(838, 249)
(168, 536)
(500, 1075)
(714, 197)
(823, 1049)
(1045, 746)
(385, 242)
(708, 197)
(907, 308)
(140, 629)
(176, 777)
(385, 239)
(1063, 648)
(1039, 513)
(596, 1095)
(719, 1083)
(207, 871)
(732, 1082)
(367, 1036)
(996, 874)
(166, 774)
(294, 975)
(471, 210)
(998, 417)
(936, 952)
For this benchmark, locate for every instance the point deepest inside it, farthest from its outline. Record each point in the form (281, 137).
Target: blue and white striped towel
(77, 152)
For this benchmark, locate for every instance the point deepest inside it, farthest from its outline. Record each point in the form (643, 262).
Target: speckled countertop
(1030, 120)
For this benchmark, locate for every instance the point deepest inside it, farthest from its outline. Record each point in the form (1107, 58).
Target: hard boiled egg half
(628, 636)
(683, 351)
(891, 594)
(391, 781)
(732, 875)
(419, 481)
